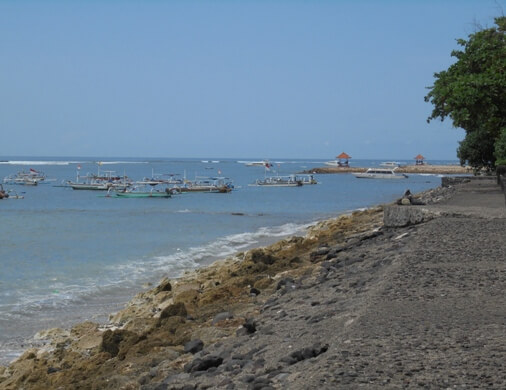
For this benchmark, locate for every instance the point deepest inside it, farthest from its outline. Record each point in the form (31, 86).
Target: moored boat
(102, 181)
(380, 173)
(143, 190)
(306, 179)
(279, 181)
(206, 184)
(30, 178)
(390, 164)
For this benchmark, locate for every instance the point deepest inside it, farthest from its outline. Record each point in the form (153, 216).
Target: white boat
(30, 178)
(263, 163)
(390, 164)
(380, 173)
(278, 181)
(336, 163)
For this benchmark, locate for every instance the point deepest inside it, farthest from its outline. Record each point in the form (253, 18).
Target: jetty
(413, 169)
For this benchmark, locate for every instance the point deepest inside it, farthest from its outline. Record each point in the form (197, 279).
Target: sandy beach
(360, 301)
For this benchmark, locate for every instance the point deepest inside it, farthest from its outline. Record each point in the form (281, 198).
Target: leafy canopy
(472, 93)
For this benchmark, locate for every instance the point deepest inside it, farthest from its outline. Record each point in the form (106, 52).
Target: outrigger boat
(278, 181)
(95, 183)
(306, 179)
(102, 181)
(163, 178)
(30, 178)
(143, 190)
(206, 184)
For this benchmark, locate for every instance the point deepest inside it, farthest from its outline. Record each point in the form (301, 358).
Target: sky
(229, 79)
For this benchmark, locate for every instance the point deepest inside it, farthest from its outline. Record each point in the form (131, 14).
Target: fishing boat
(380, 173)
(30, 178)
(278, 181)
(143, 190)
(102, 181)
(163, 178)
(306, 179)
(206, 184)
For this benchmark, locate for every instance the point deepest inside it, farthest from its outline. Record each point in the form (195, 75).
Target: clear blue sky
(242, 79)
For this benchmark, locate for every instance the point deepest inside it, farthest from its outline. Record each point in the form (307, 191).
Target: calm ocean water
(67, 256)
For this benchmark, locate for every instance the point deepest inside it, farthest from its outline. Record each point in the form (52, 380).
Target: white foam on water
(118, 283)
(14, 162)
(121, 162)
(132, 274)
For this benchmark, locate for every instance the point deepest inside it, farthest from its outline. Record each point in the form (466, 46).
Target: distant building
(419, 160)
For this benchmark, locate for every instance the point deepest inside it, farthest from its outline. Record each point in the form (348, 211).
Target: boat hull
(379, 176)
(143, 195)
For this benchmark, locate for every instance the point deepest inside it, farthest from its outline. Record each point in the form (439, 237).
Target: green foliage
(500, 148)
(472, 93)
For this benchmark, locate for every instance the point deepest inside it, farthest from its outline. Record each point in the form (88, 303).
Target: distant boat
(307, 179)
(380, 173)
(206, 184)
(30, 178)
(102, 181)
(390, 164)
(263, 163)
(163, 178)
(143, 190)
(278, 181)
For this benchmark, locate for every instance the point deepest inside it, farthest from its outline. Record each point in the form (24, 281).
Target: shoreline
(245, 300)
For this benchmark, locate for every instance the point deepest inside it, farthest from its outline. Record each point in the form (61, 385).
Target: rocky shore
(358, 302)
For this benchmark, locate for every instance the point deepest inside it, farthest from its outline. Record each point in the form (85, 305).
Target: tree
(472, 93)
(500, 149)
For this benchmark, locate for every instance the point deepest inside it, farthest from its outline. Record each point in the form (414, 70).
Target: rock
(203, 364)
(177, 309)
(163, 286)
(260, 256)
(222, 317)
(254, 291)
(114, 341)
(398, 216)
(285, 283)
(249, 327)
(305, 353)
(194, 346)
(405, 202)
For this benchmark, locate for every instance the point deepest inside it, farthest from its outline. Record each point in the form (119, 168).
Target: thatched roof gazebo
(343, 160)
(419, 160)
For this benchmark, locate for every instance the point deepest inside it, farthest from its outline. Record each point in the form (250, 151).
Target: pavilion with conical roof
(419, 160)
(343, 160)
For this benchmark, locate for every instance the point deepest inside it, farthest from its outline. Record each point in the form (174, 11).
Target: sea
(69, 256)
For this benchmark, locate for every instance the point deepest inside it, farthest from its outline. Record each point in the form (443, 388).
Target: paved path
(416, 307)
